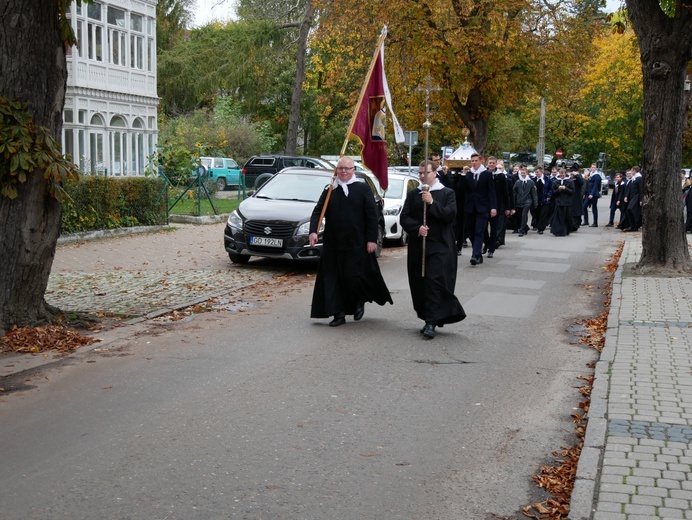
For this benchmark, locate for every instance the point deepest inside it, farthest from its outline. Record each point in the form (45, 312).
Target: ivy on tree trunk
(32, 60)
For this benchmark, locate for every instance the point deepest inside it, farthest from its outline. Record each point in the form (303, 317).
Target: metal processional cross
(427, 88)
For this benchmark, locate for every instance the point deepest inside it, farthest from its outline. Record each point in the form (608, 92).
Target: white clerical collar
(344, 185)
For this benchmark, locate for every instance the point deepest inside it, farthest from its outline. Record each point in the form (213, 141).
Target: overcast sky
(208, 10)
(223, 10)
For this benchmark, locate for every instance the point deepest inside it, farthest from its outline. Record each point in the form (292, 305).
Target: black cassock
(433, 295)
(347, 274)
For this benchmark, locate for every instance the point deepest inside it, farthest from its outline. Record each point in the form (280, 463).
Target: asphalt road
(261, 413)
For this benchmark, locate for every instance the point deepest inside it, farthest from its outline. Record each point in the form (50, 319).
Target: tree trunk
(33, 69)
(665, 45)
(294, 115)
(473, 118)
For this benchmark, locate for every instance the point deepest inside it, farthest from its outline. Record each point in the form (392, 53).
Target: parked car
(408, 170)
(569, 162)
(259, 164)
(223, 171)
(399, 185)
(605, 183)
(525, 158)
(275, 221)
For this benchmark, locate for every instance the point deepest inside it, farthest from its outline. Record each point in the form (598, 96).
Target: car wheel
(220, 184)
(380, 241)
(239, 259)
(403, 240)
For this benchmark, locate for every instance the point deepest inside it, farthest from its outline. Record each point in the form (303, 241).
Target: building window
(95, 43)
(68, 144)
(118, 146)
(136, 22)
(138, 155)
(116, 17)
(117, 38)
(136, 52)
(80, 37)
(151, 54)
(94, 11)
(96, 164)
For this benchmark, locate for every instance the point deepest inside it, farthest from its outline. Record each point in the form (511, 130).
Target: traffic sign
(558, 153)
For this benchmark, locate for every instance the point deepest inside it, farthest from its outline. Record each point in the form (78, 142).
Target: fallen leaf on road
(32, 340)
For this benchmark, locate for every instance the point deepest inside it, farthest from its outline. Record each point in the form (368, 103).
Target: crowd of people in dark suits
(491, 200)
(479, 203)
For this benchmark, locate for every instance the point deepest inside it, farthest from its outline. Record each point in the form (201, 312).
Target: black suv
(259, 164)
(275, 221)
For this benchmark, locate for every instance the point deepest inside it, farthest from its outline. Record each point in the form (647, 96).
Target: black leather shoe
(338, 320)
(459, 252)
(429, 331)
(490, 254)
(473, 260)
(593, 225)
(540, 231)
(480, 259)
(485, 250)
(358, 313)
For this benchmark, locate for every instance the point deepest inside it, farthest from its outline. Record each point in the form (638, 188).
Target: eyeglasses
(345, 168)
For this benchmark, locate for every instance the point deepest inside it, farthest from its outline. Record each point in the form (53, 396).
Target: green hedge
(97, 202)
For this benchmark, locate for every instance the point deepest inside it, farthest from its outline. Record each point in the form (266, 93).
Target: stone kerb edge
(583, 494)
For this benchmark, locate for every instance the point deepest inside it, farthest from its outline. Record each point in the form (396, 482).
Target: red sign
(558, 153)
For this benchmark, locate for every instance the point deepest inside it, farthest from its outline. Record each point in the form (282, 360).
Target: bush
(97, 202)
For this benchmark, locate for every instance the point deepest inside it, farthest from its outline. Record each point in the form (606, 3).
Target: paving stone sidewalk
(149, 273)
(637, 458)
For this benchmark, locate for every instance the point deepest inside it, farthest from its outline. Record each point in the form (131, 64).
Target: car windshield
(395, 189)
(287, 186)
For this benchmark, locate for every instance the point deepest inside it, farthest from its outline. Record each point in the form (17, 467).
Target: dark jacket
(479, 196)
(593, 186)
(525, 193)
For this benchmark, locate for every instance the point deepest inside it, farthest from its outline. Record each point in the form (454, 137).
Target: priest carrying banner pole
(348, 275)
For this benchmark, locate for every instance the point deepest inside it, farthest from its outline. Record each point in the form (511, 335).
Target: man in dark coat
(480, 204)
(525, 198)
(502, 200)
(562, 189)
(615, 198)
(624, 221)
(348, 274)
(577, 198)
(540, 214)
(428, 218)
(497, 223)
(633, 197)
(591, 195)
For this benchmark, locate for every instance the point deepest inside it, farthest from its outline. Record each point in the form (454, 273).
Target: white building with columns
(109, 120)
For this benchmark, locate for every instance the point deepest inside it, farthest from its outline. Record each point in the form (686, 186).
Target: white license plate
(268, 242)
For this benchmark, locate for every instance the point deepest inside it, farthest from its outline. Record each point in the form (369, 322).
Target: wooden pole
(383, 35)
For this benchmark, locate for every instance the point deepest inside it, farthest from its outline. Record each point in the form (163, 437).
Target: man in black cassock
(432, 293)
(348, 274)
(563, 193)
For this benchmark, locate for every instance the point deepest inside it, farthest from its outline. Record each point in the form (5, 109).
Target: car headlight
(235, 220)
(304, 228)
(394, 210)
